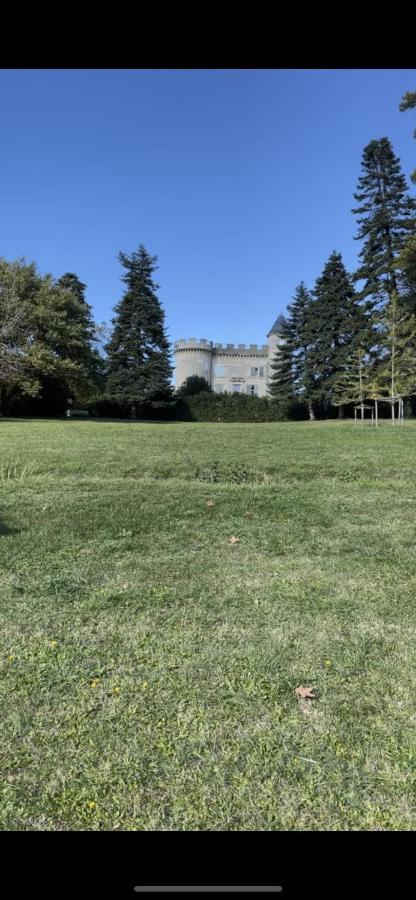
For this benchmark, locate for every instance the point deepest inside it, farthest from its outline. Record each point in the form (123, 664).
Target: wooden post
(376, 406)
(392, 412)
(355, 415)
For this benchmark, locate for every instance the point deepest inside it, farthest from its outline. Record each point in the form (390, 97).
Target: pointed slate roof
(278, 326)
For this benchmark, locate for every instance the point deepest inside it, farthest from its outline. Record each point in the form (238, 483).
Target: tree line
(54, 356)
(352, 337)
(349, 338)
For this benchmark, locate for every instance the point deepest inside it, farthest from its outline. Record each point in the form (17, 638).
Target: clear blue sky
(241, 181)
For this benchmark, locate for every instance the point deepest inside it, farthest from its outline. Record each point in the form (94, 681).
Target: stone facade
(241, 368)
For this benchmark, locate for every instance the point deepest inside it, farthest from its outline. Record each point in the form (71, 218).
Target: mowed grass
(148, 667)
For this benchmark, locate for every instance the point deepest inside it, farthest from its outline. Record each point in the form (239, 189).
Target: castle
(232, 368)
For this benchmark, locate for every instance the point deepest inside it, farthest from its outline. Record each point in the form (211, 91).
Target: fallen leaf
(210, 504)
(233, 540)
(248, 515)
(304, 692)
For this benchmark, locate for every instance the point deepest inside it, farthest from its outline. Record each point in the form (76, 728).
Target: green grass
(148, 668)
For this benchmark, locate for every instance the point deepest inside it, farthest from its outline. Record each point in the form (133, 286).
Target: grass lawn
(148, 667)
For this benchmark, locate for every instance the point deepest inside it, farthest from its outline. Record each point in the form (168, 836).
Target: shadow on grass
(5, 530)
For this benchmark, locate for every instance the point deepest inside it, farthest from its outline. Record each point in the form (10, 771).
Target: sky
(240, 181)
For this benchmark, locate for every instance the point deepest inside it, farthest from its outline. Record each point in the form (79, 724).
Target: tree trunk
(311, 412)
(341, 412)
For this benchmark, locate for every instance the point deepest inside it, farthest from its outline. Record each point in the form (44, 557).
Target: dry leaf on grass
(233, 540)
(248, 515)
(210, 504)
(305, 692)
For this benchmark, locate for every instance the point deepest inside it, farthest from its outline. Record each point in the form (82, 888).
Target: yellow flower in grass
(11, 658)
(116, 690)
(53, 643)
(91, 804)
(95, 682)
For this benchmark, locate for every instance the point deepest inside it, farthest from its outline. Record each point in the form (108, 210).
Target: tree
(69, 281)
(194, 384)
(395, 375)
(335, 323)
(407, 258)
(292, 376)
(52, 345)
(138, 365)
(84, 335)
(386, 218)
(280, 385)
(408, 101)
(16, 282)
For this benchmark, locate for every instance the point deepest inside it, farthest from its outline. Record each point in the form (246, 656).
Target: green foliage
(212, 407)
(138, 364)
(292, 378)
(395, 374)
(409, 102)
(53, 342)
(386, 217)
(335, 326)
(194, 384)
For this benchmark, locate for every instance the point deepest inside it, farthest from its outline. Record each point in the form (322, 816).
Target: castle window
(219, 388)
(254, 371)
(252, 389)
(236, 388)
(261, 371)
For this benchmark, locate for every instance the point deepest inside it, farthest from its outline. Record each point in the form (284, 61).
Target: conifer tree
(281, 380)
(386, 218)
(292, 376)
(407, 258)
(335, 322)
(138, 364)
(69, 281)
(82, 348)
(408, 101)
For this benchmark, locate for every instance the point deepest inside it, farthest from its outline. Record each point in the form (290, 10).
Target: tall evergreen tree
(281, 381)
(69, 281)
(292, 375)
(407, 258)
(138, 365)
(386, 217)
(335, 323)
(84, 332)
(408, 101)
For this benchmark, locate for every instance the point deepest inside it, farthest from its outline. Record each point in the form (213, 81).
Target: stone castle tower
(232, 368)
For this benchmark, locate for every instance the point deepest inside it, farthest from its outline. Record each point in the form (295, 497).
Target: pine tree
(281, 381)
(407, 258)
(335, 323)
(69, 281)
(386, 218)
(409, 102)
(138, 365)
(292, 377)
(82, 338)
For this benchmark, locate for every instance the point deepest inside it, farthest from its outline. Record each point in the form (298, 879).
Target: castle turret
(193, 357)
(275, 336)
